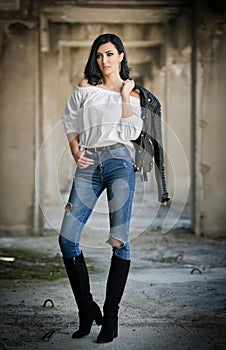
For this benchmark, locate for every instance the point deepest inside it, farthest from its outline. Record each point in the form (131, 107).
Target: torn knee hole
(68, 207)
(115, 242)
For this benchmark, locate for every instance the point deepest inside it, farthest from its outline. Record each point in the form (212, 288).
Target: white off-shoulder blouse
(95, 114)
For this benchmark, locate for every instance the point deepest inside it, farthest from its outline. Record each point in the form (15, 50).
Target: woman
(101, 119)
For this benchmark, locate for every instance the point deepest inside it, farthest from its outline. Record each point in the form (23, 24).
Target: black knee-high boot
(88, 309)
(116, 282)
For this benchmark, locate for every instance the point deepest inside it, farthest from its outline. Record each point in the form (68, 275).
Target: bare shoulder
(84, 83)
(136, 93)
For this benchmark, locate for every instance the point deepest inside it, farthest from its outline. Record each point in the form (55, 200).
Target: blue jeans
(112, 170)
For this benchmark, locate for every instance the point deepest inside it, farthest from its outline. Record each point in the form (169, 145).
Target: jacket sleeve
(159, 157)
(153, 134)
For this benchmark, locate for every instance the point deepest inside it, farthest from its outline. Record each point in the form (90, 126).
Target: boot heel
(116, 332)
(109, 330)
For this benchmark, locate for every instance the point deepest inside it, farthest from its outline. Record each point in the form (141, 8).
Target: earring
(119, 66)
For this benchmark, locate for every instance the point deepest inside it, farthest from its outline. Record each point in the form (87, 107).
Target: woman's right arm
(71, 120)
(79, 155)
(73, 140)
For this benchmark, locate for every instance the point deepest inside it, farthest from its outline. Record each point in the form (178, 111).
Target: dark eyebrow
(99, 53)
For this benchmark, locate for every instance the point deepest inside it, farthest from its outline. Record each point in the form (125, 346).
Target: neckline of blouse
(103, 89)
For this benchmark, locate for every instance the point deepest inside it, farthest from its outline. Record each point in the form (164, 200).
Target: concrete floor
(164, 307)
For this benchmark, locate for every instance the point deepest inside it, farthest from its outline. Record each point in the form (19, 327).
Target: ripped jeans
(112, 170)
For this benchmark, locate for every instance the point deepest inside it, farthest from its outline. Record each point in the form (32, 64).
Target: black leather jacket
(148, 145)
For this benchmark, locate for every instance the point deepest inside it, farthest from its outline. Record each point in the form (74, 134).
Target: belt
(105, 148)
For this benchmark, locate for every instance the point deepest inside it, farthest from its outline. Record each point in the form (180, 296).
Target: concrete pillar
(17, 128)
(172, 86)
(210, 160)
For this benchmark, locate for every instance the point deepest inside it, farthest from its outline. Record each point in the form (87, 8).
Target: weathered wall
(17, 128)
(211, 125)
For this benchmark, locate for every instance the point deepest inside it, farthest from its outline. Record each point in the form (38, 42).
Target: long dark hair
(92, 71)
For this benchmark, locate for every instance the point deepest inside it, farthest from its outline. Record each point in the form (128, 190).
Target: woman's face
(108, 59)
